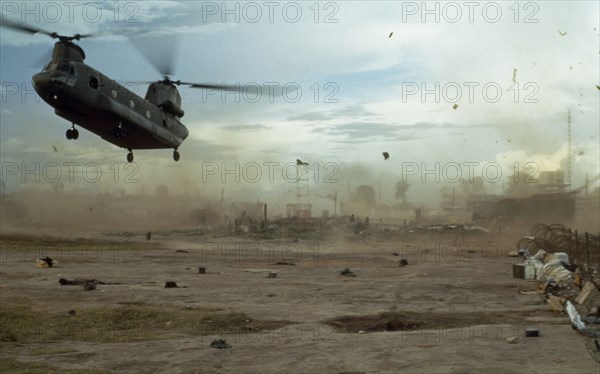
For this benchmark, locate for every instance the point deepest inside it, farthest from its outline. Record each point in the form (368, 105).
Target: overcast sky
(478, 82)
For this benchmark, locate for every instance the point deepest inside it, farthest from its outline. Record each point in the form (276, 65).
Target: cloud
(368, 132)
(310, 117)
(350, 111)
(358, 130)
(245, 128)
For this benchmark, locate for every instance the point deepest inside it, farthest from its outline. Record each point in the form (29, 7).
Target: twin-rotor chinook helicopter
(89, 99)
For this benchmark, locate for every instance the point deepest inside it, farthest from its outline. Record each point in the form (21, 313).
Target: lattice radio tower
(302, 190)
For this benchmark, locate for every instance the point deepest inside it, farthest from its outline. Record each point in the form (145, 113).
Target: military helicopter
(87, 98)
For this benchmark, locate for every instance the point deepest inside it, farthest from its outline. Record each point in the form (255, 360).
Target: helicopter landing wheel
(72, 133)
(176, 155)
(130, 156)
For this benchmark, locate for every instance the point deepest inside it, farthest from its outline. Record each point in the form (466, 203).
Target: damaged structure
(567, 265)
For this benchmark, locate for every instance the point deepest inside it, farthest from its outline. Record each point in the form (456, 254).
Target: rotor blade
(193, 85)
(34, 30)
(22, 27)
(79, 36)
(137, 82)
(215, 86)
(252, 89)
(159, 51)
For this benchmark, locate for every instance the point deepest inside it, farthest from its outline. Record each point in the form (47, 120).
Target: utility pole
(335, 203)
(222, 197)
(569, 161)
(265, 214)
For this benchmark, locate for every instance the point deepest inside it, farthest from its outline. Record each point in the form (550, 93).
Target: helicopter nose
(44, 83)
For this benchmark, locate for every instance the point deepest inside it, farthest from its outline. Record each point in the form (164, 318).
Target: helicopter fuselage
(88, 98)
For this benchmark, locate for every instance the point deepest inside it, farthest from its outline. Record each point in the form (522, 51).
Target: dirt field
(450, 310)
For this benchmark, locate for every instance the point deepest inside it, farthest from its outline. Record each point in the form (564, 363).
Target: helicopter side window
(94, 83)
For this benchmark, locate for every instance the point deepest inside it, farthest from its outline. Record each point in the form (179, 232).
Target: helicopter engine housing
(165, 96)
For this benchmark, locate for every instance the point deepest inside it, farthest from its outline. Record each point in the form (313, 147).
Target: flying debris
(300, 163)
(514, 75)
(392, 33)
(386, 155)
(580, 153)
(561, 33)
(508, 140)
(455, 106)
(598, 87)
(55, 149)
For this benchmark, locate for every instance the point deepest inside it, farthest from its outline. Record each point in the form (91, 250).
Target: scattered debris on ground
(82, 281)
(45, 262)
(289, 263)
(532, 332)
(347, 273)
(220, 344)
(171, 284)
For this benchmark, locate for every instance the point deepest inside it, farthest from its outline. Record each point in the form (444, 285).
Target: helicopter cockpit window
(94, 83)
(63, 67)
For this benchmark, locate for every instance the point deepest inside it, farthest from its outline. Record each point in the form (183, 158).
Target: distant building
(299, 210)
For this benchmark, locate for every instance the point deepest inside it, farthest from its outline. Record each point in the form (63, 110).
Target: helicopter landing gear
(130, 156)
(175, 155)
(72, 133)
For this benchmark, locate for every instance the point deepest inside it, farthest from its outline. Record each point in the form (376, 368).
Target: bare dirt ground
(450, 310)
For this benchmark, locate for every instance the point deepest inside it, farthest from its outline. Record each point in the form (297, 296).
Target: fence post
(577, 249)
(587, 249)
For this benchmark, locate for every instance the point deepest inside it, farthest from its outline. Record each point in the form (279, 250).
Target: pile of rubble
(569, 283)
